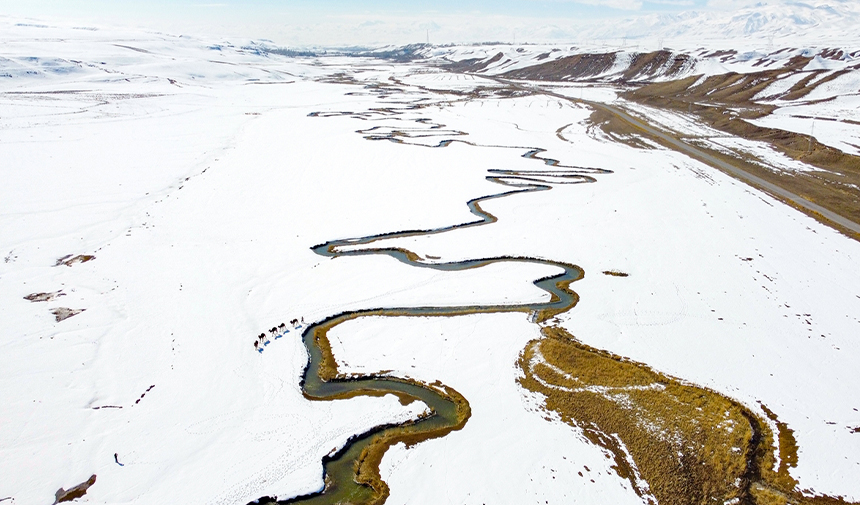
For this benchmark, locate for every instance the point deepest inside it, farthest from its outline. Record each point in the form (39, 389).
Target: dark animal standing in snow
(294, 322)
(262, 337)
(256, 344)
(273, 332)
(282, 327)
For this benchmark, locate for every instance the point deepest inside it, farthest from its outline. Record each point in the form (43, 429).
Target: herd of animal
(278, 331)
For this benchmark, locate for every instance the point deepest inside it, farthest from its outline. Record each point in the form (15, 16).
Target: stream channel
(352, 474)
(343, 469)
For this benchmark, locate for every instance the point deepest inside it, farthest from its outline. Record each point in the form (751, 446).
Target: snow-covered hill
(781, 23)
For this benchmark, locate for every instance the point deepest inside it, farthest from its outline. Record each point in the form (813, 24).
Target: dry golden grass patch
(367, 465)
(689, 444)
(617, 129)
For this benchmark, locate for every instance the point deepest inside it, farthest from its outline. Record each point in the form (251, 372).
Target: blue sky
(333, 22)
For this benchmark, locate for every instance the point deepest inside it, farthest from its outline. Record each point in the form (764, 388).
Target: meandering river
(611, 399)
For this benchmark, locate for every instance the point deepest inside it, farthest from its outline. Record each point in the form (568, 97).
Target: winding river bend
(708, 448)
(352, 474)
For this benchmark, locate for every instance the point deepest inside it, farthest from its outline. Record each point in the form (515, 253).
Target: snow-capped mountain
(829, 21)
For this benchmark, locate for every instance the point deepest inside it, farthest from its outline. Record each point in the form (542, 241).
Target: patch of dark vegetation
(63, 313)
(44, 297)
(63, 495)
(70, 260)
(615, 273)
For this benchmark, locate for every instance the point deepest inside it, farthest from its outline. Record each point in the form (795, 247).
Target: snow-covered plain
(728, 288)
(193, 173)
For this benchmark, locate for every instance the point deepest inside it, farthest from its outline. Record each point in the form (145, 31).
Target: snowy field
(194, 174)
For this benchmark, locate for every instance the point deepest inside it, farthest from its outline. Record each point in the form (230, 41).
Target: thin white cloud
(736, 4)
(298, 26)
(628, 5)
(682, 3)
(429, 25)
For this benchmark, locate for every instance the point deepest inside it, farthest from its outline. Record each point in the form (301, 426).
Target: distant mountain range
(794, 22)
(763, 27)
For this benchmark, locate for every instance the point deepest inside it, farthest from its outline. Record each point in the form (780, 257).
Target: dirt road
(731, 169)
(701, 155)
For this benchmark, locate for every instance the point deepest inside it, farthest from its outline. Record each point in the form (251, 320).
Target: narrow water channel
(716, 467)
(347, 477)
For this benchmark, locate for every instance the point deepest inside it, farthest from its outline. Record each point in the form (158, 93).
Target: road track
(703, 156)
(737, 172)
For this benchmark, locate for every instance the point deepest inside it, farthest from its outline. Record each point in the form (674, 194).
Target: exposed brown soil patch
(76, 492)
(576, 67)
(616, 273)
(686, 444)
(647, 65)
(70, 260)
(473, 64)
(44, 297)
(730, 88)
(63, 313)
(589, 66)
